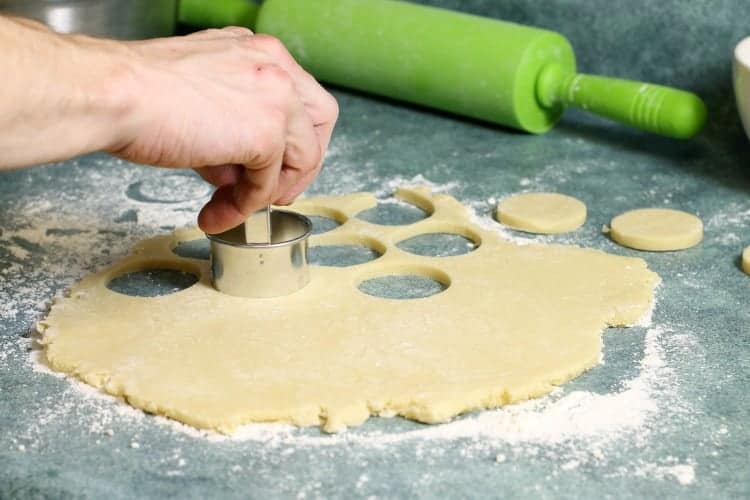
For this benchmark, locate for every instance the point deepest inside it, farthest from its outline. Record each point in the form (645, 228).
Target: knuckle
(270, 45)
(317, 158)
(211, 31)
(270, 136)
(260, 190)
(238, 30)
(309, 159)
(243, 42)
(331, 107)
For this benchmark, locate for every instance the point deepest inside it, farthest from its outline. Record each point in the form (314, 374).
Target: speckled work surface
(665, 415)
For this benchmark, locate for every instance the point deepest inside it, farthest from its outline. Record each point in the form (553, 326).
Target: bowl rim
(742, 53)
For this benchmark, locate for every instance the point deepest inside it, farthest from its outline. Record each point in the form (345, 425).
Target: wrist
(64, 95)
(111, 92)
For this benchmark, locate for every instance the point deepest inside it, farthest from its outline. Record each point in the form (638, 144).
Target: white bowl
(742, 81)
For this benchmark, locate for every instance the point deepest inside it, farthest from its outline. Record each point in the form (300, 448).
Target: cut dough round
(543, 213)
(657, 229)
(746, 260)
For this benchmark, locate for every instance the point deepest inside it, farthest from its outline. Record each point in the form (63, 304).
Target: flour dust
(45, 246)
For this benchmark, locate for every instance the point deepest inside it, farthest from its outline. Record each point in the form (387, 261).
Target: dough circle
(657, 229)
(746, 260)
(514, 322)
(543, 213)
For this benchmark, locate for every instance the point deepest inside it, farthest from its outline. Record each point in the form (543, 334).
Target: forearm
(60, 95)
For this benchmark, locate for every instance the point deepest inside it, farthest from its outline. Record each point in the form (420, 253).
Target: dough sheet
(514, 322)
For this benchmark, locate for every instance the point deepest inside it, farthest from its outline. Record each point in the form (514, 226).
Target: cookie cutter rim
(263, 270)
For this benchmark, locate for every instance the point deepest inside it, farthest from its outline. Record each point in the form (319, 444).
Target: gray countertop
(665, 415)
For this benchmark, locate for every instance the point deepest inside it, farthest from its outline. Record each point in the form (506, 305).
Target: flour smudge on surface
(575, 428)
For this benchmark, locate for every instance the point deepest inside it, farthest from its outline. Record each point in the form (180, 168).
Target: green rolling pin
(492, 70)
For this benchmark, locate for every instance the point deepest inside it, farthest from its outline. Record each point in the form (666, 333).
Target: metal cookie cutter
(270, 268)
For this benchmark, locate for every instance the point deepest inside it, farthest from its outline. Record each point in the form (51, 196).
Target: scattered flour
(684, 474)
(394, 183)
(586, 425)
(45, 246)
(731, 226)
(733, 215)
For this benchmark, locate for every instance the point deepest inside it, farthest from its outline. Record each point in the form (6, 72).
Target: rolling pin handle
(653, 108)
(549, 86)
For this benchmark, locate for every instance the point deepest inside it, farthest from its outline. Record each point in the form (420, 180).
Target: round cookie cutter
(263, 270)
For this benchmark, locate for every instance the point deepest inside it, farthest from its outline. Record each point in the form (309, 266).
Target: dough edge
(441, 410)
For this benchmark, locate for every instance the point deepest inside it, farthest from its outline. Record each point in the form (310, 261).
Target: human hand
(236, 107)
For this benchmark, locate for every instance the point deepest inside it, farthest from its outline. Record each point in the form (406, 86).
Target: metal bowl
(123, 19)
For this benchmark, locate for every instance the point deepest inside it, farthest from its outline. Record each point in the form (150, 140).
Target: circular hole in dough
(746, 260)
(152, 282)
(438, 245)
(322, 224)
(405, 285)
(656, 229)
(393, 213)
(343, 255)
(193, 249)
(542, 213)
(169, 188)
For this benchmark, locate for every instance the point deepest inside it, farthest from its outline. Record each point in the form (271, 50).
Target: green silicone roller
(492, 70)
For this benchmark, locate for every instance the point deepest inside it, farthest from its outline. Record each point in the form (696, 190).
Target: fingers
(302, 154)
(244, 189)
(286, 154)
(320, 104)
(233, 203)
(302, 151)
(297, 187)
(287, 145)
(220, 213)
(325, 132)
(221, 175)
(270, 179)
(310, 90)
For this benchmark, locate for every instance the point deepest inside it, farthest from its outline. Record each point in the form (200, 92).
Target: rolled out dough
(657, 229)
(513, 323)
(543, 213)
(746, 260)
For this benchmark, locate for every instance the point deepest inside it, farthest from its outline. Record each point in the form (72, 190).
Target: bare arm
(232, 105)
(57, 97)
